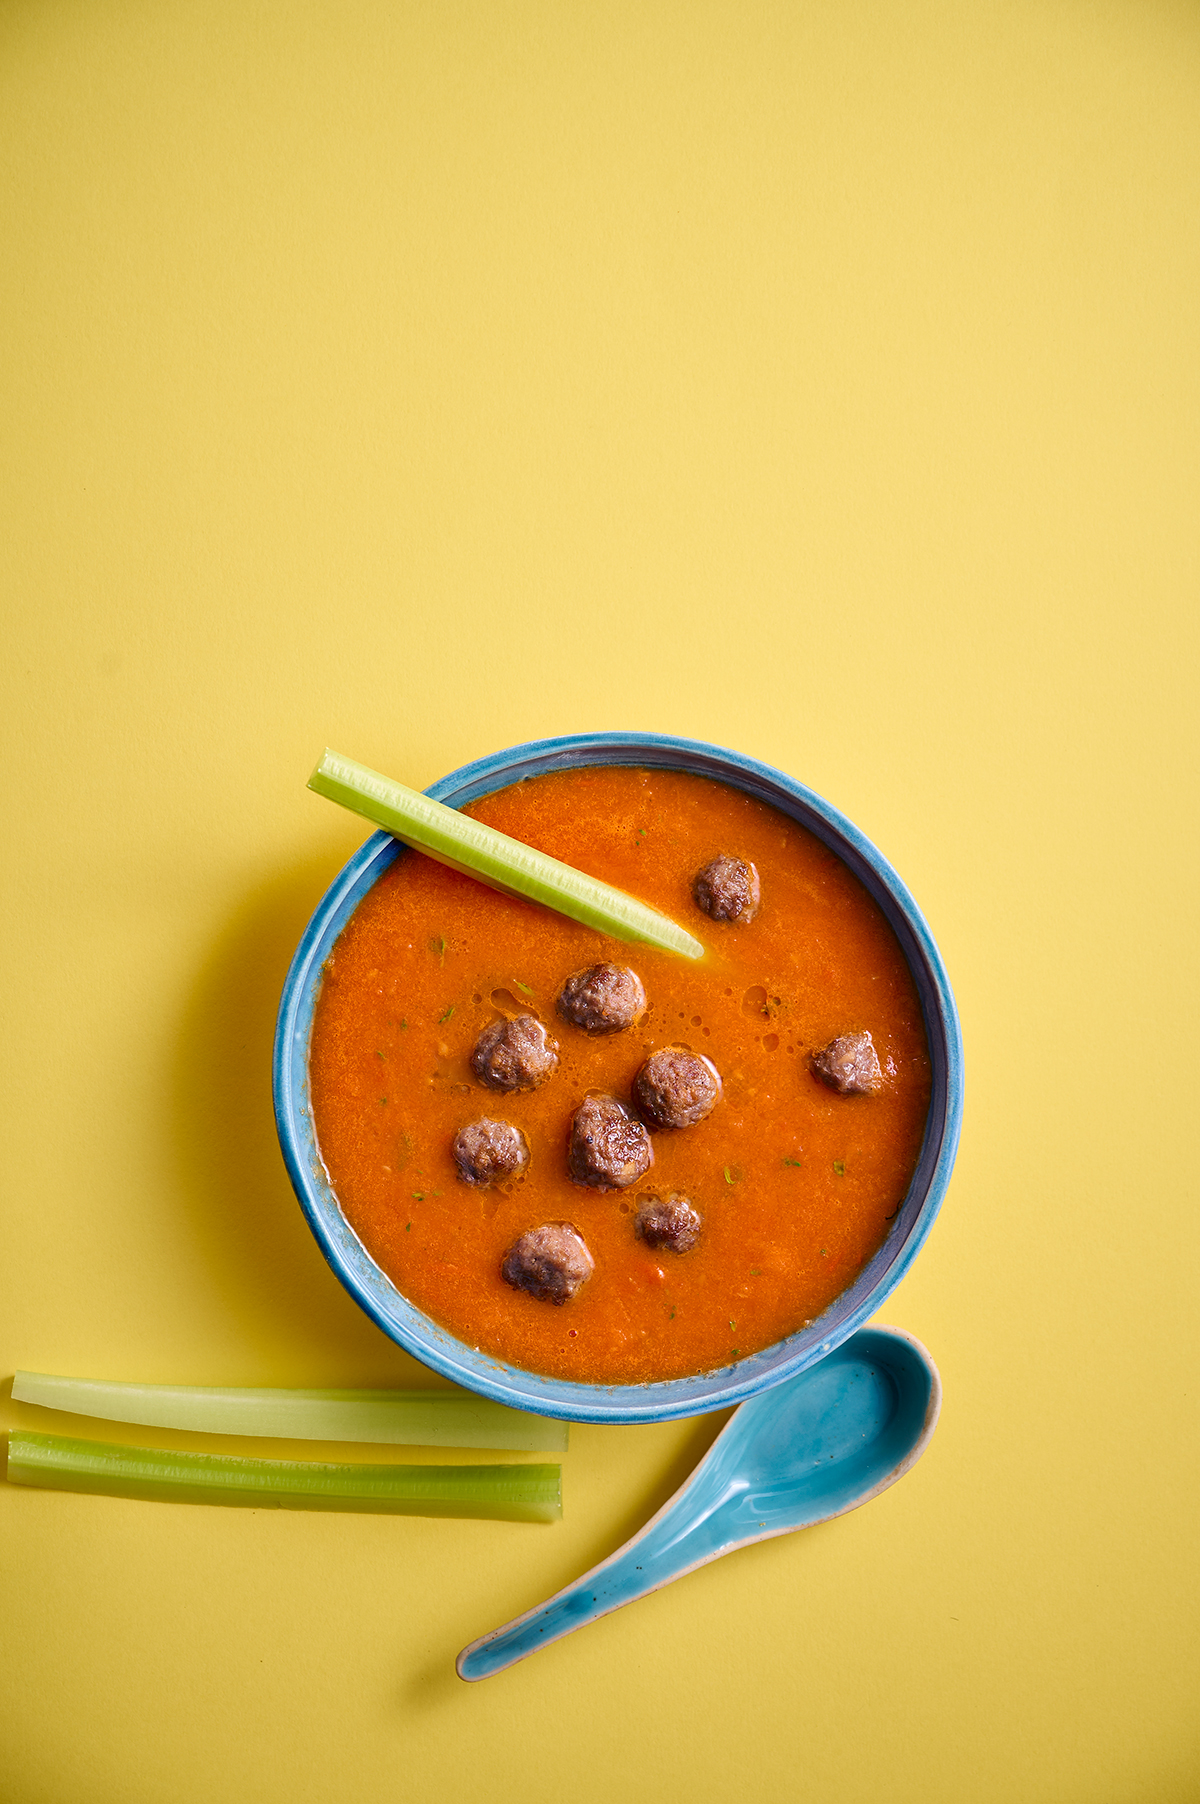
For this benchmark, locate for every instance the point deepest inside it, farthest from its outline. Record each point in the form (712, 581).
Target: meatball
(849, 1065)
(609, 1148)
(514, 1055)
(676, 1088)
(603, 999)
(727, 889)
(485, 1151)
(668, 1222)
(552, 1262)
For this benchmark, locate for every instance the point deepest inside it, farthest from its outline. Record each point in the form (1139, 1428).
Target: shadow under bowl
(745, 1377)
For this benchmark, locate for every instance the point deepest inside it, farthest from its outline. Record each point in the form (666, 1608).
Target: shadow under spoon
(812, 1448)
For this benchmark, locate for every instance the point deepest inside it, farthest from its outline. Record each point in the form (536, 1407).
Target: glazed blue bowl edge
(435, 1346)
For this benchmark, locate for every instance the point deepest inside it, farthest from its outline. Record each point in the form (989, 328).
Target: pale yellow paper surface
(817, 378)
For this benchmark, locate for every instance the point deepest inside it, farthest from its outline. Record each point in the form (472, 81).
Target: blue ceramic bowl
(483, 1373)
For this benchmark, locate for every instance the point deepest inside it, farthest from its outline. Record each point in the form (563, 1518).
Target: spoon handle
(652, 1559)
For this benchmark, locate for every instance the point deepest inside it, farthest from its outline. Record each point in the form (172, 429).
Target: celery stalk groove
(497, 1493)
(433, 1418)
(495, 859)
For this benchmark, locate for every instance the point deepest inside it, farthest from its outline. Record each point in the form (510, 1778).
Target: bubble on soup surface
(507, 1003)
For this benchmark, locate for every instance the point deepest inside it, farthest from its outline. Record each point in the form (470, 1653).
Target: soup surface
(795, 1182)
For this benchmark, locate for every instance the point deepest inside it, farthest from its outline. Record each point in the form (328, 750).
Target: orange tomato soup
(796, 1183)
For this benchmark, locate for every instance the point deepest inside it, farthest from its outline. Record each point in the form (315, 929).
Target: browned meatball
(676, 1088)
(727, 889)
(551, 1262)
(486, 1151)
(514, 1055)
(668, 1221)
(609, 1148)
(603, 999)
(849, 1065)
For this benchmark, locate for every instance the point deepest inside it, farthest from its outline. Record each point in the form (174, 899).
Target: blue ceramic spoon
(811, 1448)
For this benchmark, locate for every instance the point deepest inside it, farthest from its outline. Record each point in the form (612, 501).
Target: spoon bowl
(812, 1448)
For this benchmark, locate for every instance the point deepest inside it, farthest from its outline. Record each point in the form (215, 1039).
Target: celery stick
(413, 1418)
(495, 859)
(500, 1493)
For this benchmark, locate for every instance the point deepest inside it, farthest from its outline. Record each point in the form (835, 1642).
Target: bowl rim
(662, 1400)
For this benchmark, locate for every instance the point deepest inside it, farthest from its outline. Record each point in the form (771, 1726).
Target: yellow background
(816, 378)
